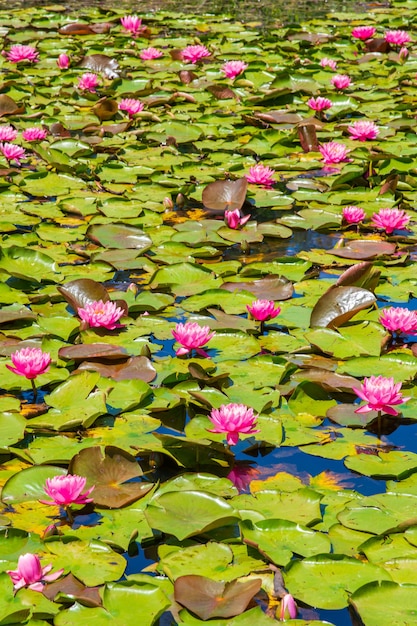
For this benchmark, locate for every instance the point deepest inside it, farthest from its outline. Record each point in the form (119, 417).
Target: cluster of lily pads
(165, 320)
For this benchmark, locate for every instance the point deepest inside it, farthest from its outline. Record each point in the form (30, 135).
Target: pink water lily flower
(333, 152)
(133, 25)
(398, 319)
(390, 220)
(403, 54)
(288, 608)
(233, 419)
(326, 62)
(63, 61)
(361, 130)
(36, 133)
(7, 133)
(363, 32)
(353, 214)
(319, 103)
(18, 53)
(194, 54)
(88, 82)
(231, 69)
(397, 37)
(192, 336)
(29, 362)
(380, 394)
(341, 81)
(150, 53)
(263, 310)
(65, 490)
(260, 175)
(233, 219)
(11, 152)
(99, 314)
(131, 106)
(31, 574)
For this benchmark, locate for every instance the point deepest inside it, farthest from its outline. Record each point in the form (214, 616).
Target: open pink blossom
(263, 310)
(29, 362)
(192, 336)
(194, 54)
(233, 419)
(361, 130)
(233, 219)
(131, 106)
(133, 25)
(319, 103)
(260, 175)
(88, 82)
(353, 214)
(65, 490)
(31, 574)
(99, 314)
(398, 319)
(380, 394)
(390, 219)
(326, 62)
(7, 133)
(397, 37)
(63, 61)
(363, 32)
(36, 133)
(19, 53)
(231, 69)
(333, 152)
(11, 152)
(341, 81)
(288, 608)
(150, 53)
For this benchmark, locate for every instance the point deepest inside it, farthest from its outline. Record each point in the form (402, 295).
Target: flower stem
(35, 391)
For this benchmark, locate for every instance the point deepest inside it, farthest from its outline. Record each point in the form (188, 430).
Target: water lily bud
(180, 200)
(168, 204)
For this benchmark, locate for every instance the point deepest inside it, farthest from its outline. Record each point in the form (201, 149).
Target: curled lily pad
(308, 137)
(112, 471)
(101, 64)
(8, 106)
(339, 304)
(225, 195)
(83, 291)
(210, 598)
(364, 249)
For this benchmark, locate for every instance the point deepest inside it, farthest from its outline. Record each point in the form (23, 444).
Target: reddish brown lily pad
(83, 291)
(221, 92)
(7, 316)
(339, 304)
(364, 249)
(138, 367)
(78, 28)
(308, 137)
(101, 64)
(100, 351)
(74, 588)
(8, 106)
(273, 288)
(328, 380)
(225, 195)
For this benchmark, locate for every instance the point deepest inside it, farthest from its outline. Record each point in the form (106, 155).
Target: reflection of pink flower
(66, 490)
(260, 175)
(397, 37)
(341, 81)
(398, 320)
(233, 219)
(390, 219)
(233, 419)
(63, 61)
(333, 152)
(361, 130)
(193, 54)
(363, 32)
(7, 133)
(30, 573)
(11, 152)
(325, 62)
(192, 336)
(34, 134)
(18, 53)
(319, 103)
(131, 106)
(150, 53)
(30, 362)
(288, 609)
(133, 24)
(263, 310)
(101, 314)
(241, 475)
(88, 82)
(231, 69)
(380, 394)
(353, 214)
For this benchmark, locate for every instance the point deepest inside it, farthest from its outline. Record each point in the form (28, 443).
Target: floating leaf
(339, 304)
(119, 236)
(225, 195)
